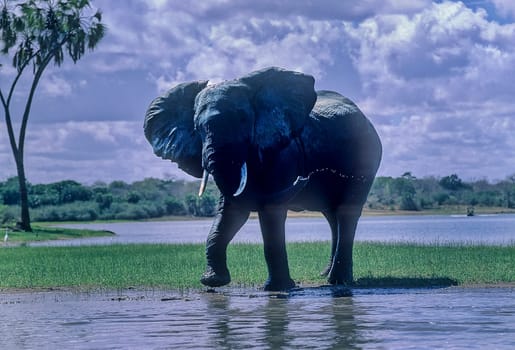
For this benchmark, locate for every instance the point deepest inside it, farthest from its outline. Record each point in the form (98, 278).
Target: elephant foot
(340, 279)
(211, 278)
(277, 286)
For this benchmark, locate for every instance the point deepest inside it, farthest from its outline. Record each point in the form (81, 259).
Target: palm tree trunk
(24, 197)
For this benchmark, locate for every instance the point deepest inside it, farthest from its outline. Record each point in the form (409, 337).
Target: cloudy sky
(436, 78)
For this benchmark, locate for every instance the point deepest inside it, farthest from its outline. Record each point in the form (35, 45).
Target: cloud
(447, 52)
(505, 7)
(221, 40)
(88, 152)
(331, 9)
(435, 78)
(454, 143)
(435, 83)
(55, 86)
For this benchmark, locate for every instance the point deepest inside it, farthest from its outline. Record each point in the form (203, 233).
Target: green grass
(46, 233)
(114, 266)
(180, 266)
(460, 264)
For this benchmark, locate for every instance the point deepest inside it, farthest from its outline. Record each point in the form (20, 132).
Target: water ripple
(306, 318)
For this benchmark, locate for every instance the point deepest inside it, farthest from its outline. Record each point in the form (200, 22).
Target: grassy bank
(180, 266)
(46, 233)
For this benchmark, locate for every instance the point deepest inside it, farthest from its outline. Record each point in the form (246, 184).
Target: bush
(9, 191)
(407, 203)
(104, 200)
(203, 206)
(441, 198)
(9, 214)
(77, 211)
(57, 193)
(133, 197)
(131, 212)
(175, 207)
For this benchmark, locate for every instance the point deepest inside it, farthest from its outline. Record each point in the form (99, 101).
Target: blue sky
(436, 79)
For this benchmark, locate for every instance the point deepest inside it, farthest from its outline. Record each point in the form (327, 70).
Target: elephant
(272, 144)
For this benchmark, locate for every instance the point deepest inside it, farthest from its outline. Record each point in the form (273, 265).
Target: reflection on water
(316, 318)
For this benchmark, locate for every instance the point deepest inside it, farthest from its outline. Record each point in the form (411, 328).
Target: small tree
(35, 33)
(452, 183)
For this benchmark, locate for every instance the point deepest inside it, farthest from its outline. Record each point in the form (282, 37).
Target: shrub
(77, 211)
(407, 203)
(133, 197)
(175, 207)
(9, 214)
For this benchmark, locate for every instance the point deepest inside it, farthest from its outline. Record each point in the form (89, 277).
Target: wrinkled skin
(304, 150)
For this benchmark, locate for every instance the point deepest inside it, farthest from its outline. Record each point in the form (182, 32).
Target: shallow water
(488, 229)
(310, 318)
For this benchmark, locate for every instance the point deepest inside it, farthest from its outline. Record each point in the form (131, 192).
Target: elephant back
(340, 115)
(331, 104)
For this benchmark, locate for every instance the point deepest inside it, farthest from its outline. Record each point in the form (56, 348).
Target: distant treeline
(153, 198)
(71, 201)
(410, 193)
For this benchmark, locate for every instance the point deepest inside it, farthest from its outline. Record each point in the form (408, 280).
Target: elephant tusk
(243, 180)
(203, 184)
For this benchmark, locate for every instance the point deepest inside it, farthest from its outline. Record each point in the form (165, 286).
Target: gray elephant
(271, 143)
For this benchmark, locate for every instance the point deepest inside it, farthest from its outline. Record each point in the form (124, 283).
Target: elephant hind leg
(333, 224)
(341, 268)
(347, 211)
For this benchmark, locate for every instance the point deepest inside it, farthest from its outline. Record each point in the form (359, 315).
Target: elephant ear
(169, 127)
(282, 101)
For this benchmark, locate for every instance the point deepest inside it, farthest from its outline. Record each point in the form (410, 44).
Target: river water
(487, 229)
(312, 318)
(306, 318)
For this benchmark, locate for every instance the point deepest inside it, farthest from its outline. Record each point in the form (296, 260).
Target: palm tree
(34, 33)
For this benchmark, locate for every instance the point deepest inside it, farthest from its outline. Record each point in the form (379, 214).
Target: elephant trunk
(227, 164)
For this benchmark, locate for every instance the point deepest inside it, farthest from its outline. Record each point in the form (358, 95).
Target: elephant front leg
(272, 221)
(227, 222)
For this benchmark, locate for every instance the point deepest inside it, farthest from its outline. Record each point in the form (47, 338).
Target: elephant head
(217, 129)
